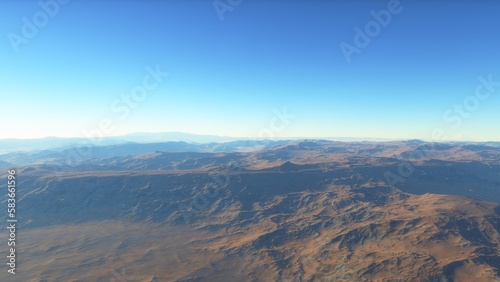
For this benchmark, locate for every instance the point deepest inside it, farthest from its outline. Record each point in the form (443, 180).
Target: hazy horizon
(242, 138)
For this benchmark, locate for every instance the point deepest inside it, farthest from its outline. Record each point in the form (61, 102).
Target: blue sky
(416, 77)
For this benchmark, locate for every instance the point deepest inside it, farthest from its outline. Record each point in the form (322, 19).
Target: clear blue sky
(227, 76)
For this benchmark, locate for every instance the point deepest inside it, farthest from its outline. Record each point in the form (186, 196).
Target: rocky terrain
(307, 210)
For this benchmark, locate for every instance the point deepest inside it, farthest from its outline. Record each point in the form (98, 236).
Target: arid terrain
(306, 210)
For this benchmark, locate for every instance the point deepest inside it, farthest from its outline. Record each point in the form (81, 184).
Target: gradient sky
(228, 77)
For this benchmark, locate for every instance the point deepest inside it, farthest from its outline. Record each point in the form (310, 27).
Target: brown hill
(318, 215)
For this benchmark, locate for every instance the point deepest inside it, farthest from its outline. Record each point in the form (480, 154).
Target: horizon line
(241, 138)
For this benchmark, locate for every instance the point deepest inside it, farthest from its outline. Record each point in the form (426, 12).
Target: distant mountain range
(296, 210)
(11, 145)
(58, 143)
